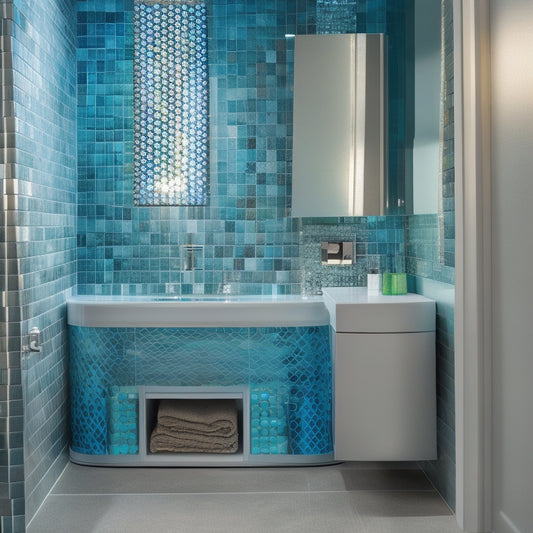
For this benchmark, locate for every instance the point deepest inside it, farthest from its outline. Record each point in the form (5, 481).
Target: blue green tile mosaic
(244, 238)
(377, 239)
(38, 247)
(288, 371)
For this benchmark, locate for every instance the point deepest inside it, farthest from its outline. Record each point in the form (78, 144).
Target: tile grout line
(48, 495)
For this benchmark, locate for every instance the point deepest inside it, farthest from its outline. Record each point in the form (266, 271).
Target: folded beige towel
(209, 417)
(165, 440)
(195, 426)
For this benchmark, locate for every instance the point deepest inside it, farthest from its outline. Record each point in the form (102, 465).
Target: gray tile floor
(350, 497)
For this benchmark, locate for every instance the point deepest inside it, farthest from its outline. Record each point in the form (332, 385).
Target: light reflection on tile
(40, 245)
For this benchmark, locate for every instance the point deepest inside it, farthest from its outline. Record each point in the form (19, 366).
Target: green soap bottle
(394, 282)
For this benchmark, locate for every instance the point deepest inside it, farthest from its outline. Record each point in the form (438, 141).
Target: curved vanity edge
(260, 311)
(201, 459)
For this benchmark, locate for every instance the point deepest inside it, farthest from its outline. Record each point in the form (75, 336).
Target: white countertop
(347, 309)
(192, 311)
(357, 310)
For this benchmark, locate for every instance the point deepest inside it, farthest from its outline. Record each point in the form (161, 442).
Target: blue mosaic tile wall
(290, 366)
(11, 406)
(430, 259)
(244, 239)
(376, 240)
(40, 245)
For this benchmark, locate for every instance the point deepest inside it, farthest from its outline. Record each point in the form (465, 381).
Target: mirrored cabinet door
(339, 143)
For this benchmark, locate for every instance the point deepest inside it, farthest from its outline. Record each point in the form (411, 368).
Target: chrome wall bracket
(35, 340)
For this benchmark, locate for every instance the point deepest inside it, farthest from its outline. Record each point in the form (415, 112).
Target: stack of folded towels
(195, 426)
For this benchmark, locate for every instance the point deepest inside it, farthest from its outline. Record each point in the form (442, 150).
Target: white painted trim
(473, 266)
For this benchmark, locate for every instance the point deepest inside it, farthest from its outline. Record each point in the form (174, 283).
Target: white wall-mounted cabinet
(384, 376)
(340, 126)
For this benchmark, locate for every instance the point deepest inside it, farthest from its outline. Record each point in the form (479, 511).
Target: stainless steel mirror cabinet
(340, 126)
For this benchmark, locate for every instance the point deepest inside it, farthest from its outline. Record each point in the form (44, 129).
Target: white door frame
(473, 304)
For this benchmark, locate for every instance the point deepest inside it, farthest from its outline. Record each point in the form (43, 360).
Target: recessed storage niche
(151, 398)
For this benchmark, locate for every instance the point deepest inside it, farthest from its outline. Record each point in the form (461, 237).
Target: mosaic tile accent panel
(191, 356)
(99, 362)
(112, 357)
(292, 364)
(40, 243)
(123, 421)
(269, 404)
(171, 103)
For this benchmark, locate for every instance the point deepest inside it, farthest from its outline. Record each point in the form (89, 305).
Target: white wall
(512, 180)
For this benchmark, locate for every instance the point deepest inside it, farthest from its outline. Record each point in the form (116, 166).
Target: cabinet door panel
(385, 397)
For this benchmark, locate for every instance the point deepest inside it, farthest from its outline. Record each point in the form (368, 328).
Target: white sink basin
(234, 311)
